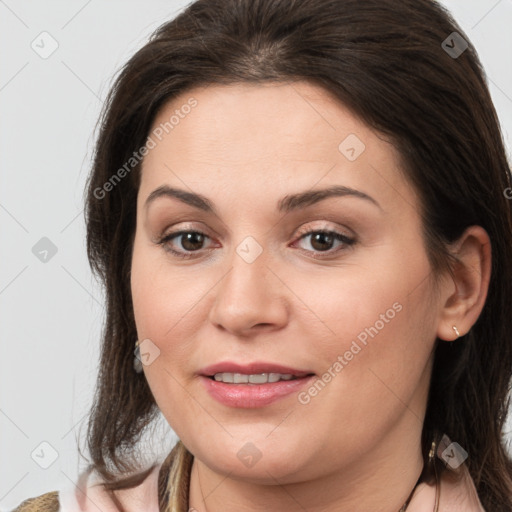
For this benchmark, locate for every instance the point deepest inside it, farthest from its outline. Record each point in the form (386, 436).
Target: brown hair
(384, 60)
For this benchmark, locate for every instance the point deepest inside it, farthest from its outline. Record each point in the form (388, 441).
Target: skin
(355, 446)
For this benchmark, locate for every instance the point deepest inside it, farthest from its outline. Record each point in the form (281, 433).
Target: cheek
(157, 309)
(160, 304)
(163, 297)
(358, 310)
(377, 360)
(169, 308)
(376, 332)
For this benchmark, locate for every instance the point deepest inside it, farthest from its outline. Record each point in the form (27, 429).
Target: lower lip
(251, 396)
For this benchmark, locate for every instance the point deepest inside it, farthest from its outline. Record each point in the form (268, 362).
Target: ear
(463, 294)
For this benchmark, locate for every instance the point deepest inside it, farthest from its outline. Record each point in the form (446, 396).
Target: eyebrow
(286, 204)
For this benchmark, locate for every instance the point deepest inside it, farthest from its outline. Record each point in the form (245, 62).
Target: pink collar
(457, 494)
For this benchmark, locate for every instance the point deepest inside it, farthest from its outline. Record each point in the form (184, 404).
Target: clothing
(166, 489)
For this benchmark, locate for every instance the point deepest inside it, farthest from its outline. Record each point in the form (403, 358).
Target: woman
(300, 209)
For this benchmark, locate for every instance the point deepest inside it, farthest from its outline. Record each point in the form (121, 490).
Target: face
(266, 274)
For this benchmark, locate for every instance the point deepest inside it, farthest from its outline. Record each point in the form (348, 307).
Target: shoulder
(168, 480)
(457, 493)
(48, 502)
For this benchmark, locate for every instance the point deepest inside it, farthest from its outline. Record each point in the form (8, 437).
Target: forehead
(260, 137)
(246, 121)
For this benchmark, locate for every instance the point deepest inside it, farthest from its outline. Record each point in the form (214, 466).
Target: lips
(248, 395)
(252, 368)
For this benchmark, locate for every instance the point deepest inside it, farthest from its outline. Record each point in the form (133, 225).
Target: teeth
(256, 378)
(239, 378)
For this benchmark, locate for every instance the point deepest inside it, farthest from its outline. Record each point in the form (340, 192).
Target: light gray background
(51, 313)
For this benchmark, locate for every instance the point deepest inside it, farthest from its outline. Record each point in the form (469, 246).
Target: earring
(432, 453)
(432, 465)
(137, 361)
(456, 331)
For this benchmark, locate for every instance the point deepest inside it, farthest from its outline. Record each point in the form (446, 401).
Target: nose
(250, 298)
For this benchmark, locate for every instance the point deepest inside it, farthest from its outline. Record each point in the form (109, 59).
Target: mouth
(253, 378)
(253, 385)
(252, 373)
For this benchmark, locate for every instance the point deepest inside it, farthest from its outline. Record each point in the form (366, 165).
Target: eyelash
(347, 241)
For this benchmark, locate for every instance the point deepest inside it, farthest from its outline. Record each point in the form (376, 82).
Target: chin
(259, 462)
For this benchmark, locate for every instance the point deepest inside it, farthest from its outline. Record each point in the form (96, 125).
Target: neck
(382, 479)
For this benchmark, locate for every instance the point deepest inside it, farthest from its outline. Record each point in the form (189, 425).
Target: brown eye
(322, 241)
(191, 241)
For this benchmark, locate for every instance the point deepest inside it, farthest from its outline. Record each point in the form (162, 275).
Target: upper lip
(251, 368)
